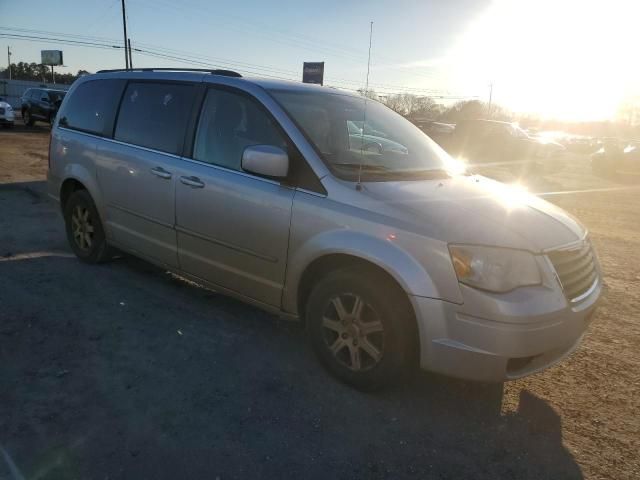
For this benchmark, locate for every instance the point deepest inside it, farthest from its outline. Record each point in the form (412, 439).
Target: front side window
(92, 106)
(373, 141)
(154, 115)
(230, 122)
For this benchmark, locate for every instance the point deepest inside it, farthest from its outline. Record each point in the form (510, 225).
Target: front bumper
(7, 119)
(516, 334)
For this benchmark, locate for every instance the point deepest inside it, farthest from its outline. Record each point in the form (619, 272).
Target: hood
(474, 210)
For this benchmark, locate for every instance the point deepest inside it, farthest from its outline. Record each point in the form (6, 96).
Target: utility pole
(9, 60)
(130, 56)
(124, 26)
(53, 76)
(490, 97)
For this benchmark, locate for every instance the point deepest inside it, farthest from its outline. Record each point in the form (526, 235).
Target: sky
(566, 59)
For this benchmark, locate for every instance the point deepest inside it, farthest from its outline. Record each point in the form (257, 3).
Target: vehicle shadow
(125, 370)
(124, 367)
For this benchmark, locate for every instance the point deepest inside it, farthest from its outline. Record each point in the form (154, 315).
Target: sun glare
(571, 60)
(511, 196)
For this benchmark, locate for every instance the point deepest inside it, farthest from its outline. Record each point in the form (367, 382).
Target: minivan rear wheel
(359, 326)
(85, 232)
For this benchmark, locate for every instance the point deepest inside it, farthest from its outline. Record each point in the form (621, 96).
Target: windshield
(385, 144)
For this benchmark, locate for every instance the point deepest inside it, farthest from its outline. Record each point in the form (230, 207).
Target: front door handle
(161, 172)
(192, 182)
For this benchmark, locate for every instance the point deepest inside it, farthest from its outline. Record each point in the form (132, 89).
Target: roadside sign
(313, 72)
(51, 57)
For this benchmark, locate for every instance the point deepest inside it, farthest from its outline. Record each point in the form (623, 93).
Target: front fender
(409, 273)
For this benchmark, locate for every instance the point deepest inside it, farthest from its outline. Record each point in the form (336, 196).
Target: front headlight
(494, 269)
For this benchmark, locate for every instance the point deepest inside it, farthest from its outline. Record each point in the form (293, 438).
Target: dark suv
(41, 104)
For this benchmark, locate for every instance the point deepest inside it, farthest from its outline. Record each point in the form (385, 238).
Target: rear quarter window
(154, 115)
(92, 106)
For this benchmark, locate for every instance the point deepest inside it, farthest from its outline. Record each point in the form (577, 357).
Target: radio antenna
(364, 114)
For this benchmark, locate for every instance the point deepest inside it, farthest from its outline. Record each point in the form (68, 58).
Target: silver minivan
(324, 206)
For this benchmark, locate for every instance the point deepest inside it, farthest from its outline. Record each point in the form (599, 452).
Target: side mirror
(266, 160)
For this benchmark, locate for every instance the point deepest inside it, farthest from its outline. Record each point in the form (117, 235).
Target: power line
(383, 88)
(299, 41)
(254, 70)
(80, 43)
(103, 16)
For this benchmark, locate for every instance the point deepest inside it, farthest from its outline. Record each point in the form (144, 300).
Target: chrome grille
(576, 269)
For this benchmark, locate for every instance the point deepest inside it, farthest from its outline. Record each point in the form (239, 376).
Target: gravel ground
(125, 371)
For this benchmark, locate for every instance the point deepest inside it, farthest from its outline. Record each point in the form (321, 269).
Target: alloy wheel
(82, 227)
(353, 332)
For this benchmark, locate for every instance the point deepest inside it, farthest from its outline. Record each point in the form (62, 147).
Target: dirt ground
(125, 371)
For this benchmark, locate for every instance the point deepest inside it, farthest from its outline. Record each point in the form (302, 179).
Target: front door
(232, 226)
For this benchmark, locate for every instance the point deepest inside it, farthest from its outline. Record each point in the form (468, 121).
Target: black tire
(85, 232)
(384, 303)
(27, 118)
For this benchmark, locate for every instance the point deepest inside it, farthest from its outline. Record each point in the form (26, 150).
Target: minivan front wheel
(359, 326)
(84, 229)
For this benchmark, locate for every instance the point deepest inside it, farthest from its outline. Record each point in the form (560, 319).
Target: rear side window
(155, 115)
(92, 107)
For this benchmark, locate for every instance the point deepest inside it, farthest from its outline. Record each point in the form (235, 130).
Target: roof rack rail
(225, 73)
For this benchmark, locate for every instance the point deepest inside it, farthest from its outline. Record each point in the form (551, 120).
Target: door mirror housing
(267, 160)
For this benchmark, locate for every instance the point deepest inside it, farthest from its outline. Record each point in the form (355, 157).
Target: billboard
(313, 72)
(51, 57)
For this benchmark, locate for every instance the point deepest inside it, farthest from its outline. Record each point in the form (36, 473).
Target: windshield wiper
(426, 173)
(365, 167)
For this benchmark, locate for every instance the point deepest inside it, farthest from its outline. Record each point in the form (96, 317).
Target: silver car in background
(390, 253)
(7, 115)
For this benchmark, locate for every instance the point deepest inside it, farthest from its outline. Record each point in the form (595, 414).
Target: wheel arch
(77, 177)
(340, 249)
(325, 264)
(330, 262)
(69, 186)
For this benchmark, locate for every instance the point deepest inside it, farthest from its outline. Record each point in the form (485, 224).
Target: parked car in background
(439, 132)
(580, 144)
(616, 157)
(371, 140)
(7, 115)
(496, 142)
(41, 104)
(392, 258)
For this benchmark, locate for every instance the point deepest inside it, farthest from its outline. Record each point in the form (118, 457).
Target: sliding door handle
(161, 172)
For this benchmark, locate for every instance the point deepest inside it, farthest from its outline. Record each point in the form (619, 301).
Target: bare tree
(369, 94)
(395, 103)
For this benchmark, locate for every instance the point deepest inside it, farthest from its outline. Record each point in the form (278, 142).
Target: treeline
(420, 108)
(423, 107)
(39, 73)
